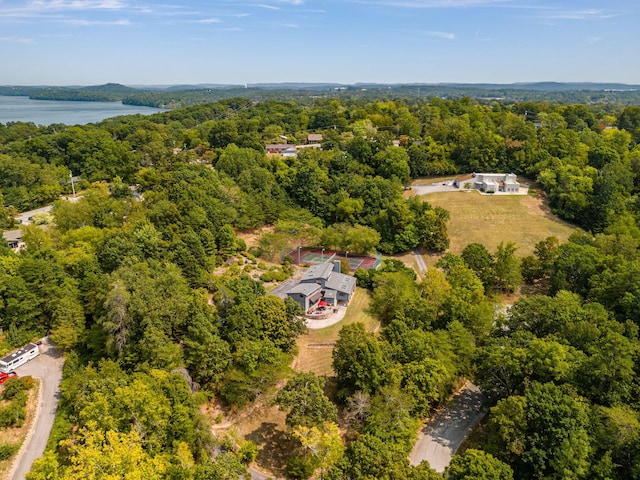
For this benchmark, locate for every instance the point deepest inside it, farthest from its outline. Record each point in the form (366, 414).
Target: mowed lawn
(491, 219)
(314, 347)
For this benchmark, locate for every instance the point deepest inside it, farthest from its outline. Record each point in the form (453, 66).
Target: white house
(489, 182)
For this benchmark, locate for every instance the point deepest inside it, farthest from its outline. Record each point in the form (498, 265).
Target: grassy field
(317, 359)
(489, 220)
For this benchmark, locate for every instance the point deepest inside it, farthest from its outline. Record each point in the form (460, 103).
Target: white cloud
(15, 40)
(42, 5)
(208, 20)
(268, 7)
(587, 14)
(594, 39)
(444, 35)
(90, 23)
(435, 3)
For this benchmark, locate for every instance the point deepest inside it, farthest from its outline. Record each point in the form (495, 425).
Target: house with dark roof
(307, 295)
(323, 283)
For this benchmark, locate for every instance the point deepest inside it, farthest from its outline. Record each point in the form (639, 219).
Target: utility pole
(73, 188)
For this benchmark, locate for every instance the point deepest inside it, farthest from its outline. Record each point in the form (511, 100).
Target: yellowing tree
(112, 456)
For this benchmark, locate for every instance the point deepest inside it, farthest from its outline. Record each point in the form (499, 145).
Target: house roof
(12, 235)
(341, 282)
(314, 137)
(278, 146)
(306, 289)
(322, 270)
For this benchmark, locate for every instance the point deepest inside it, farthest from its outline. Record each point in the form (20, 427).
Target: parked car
(6, 376)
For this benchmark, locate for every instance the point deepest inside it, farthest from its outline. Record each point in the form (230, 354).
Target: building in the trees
(14, 239)
(288, 150)
(283, 149)
(489, 182)
(314, 138)
(323, 284)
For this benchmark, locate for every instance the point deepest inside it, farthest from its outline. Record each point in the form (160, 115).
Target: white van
(19, 357)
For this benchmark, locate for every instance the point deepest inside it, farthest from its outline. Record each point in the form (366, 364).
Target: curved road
(439, 440)
(47, 367)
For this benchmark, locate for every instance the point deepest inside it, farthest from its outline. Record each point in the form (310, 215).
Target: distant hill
(549, 86)
(109, 92)
(174, 96)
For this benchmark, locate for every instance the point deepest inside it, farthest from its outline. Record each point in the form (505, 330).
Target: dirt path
(441, 437)
(48, 368)
(420, 261)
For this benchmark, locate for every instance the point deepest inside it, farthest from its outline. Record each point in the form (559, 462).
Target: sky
(143, 42)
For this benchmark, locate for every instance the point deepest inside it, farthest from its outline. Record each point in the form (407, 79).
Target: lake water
(46, 112)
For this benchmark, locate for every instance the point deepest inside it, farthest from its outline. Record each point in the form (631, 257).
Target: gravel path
(441, 437)
(47, 367)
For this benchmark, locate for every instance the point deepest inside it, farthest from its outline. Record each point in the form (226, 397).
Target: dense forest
(146, 285)
(177, 96)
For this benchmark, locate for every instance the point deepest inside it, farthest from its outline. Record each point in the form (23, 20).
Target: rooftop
(322, 270)
(306, 289)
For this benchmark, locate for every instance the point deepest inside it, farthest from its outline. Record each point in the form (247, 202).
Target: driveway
(433, 188)
(441, 437)
(47, 367)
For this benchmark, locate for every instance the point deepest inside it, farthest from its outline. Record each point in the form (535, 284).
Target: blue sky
(86, 42)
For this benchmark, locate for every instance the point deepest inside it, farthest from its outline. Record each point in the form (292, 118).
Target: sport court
(314, 257)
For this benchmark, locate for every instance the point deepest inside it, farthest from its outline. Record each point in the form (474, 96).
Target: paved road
(48, 368)
(439, 440)
(25, 217)
(257, 475)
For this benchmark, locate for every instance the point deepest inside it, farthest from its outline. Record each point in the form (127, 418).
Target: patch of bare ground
(261, 422)
(17, 435)
(251, 237)
(315, 346)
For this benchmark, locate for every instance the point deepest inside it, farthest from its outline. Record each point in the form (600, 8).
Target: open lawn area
(315, 347)
(491, 219)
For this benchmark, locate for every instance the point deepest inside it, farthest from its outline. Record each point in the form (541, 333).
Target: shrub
(248, 452)
(300, 467)
(15, 385)
(12, 415)
(7, 450)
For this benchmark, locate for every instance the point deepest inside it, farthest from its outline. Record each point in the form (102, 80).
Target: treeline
(185, 95)
(560, 368)
(123, 282)
(585, 158)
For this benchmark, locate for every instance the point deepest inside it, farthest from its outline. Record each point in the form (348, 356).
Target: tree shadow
(276, 447)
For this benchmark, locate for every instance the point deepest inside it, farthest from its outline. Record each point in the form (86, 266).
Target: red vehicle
(6, 376)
